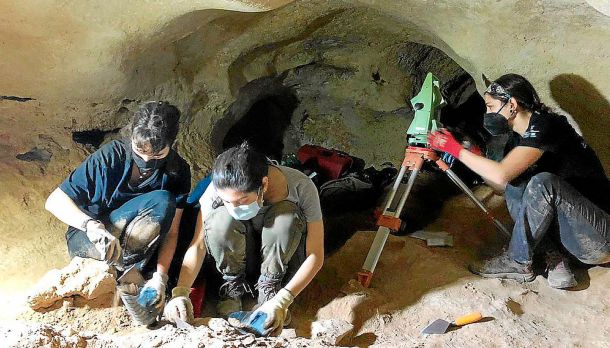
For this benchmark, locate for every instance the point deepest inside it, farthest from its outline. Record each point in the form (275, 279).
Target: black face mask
(495, 123)
(146, 166)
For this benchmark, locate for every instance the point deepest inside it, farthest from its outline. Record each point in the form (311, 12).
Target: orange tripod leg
(414, 161)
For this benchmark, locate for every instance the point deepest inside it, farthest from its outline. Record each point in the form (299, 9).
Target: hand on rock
(179, 306)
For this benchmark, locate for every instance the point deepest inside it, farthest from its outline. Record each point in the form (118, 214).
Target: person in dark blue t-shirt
(124, 203)
(555, 186)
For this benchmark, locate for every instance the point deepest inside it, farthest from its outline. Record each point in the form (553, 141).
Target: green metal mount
(427, 105)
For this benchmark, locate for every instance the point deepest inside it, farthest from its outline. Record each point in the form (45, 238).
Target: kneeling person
(278, 204)
(124, 202)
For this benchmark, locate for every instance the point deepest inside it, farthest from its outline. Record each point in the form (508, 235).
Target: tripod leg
(365, 276)
(459, 183)
(395, 186)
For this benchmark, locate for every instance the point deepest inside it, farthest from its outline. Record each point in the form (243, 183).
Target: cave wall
(352, 64)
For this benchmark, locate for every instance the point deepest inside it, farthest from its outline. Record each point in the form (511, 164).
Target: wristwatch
(83, 226)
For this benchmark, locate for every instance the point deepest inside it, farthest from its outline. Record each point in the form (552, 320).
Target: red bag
(330, 164)
(197, 296)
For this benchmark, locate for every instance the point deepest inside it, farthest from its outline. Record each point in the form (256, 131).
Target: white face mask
(245, 211)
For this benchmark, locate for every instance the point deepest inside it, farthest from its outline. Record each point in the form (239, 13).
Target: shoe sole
(520, 277)
(565, 285)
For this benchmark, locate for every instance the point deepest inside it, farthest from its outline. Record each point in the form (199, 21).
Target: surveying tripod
(427, 105)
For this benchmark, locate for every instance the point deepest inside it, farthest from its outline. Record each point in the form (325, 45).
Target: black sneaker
(503, 266)
(267, 289)
(559, 274)
(230, 293)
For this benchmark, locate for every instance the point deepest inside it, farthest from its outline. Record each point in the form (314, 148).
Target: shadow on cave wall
(590, 109)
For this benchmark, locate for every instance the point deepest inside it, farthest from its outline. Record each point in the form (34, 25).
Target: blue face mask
(245, 211)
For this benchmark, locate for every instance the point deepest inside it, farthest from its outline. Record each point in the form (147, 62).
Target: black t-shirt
(101, 183)
(566, 154)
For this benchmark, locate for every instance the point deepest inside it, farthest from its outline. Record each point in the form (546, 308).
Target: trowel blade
(181, 324)
(439, 326)
(131, 276)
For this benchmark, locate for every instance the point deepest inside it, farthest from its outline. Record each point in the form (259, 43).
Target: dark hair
(155, 123)
(522, 90)
(240, 168)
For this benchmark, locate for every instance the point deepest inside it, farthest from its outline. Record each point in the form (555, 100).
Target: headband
(496, 90)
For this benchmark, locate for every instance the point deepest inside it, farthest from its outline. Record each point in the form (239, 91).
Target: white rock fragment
(219, 325)
(289, 333)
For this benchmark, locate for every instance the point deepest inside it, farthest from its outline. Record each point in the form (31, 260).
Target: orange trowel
(440, 326)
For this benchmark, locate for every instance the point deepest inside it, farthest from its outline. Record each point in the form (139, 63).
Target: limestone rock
(331, 331)
(86, 278)
(288, 333)
(219, 325)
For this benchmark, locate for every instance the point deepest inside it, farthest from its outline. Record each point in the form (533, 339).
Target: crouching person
(554, 184)
(123, 204)
(281, 207)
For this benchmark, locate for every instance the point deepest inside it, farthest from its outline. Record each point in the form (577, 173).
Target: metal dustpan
(440, 326)
(131, 276)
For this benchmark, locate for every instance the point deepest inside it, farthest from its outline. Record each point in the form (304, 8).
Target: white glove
(276, 309)
(179, 306)
(158, 282)
(104, 242)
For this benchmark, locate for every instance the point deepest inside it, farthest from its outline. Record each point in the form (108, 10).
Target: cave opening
(264, 125)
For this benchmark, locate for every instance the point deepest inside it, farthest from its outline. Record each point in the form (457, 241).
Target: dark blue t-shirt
(101, 183)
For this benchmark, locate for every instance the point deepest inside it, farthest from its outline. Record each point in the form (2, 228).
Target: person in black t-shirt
(554, 184)
(124, 203)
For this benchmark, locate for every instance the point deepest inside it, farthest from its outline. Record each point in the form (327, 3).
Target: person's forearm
(168, 246)
(64, 208)
(193, 259)
(491, 171)
(308, 270)
(166, 253)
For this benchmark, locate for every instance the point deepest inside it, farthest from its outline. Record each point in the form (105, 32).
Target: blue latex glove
(153, 292)
(253, 322)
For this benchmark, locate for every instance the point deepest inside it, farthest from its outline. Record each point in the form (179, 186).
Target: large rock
(86, 279)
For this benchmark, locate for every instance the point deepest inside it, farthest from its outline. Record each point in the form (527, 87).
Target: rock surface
(19, 334)
(83, 280)
(332, 331)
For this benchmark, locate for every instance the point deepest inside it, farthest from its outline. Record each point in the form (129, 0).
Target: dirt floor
(413, 285)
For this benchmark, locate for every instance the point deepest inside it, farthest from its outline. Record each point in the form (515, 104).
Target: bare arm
(64, 208)
(193, 259)
(499, 174)
(314, 261)
(168, 246)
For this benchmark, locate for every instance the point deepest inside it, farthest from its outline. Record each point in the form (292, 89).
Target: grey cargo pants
(283, 231)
